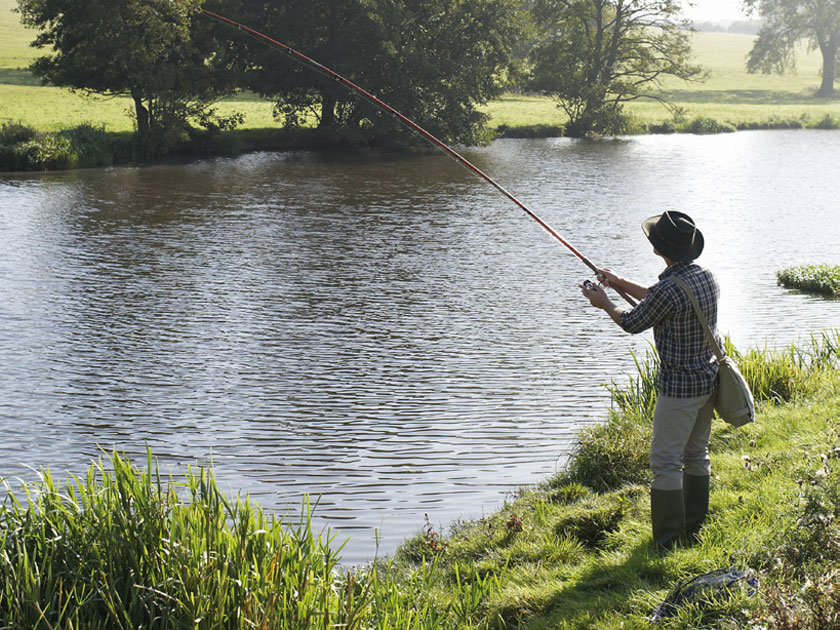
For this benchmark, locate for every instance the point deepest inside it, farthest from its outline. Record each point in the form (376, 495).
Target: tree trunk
(829, 69)
(142, 115)
(328, 103)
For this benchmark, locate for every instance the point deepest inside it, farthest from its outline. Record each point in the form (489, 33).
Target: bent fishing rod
(310, 63)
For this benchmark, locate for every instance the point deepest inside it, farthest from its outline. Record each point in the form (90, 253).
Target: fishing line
(318, 67)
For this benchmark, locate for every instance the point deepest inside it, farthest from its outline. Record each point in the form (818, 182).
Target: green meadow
(729, 94)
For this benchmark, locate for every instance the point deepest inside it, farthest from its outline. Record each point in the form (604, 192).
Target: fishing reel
(589, 285)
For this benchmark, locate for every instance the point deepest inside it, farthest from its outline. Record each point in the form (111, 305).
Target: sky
(715, 10)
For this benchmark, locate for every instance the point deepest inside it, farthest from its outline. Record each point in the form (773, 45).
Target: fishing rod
(314, 65)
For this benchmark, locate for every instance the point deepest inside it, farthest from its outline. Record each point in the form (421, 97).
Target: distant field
(729, 94)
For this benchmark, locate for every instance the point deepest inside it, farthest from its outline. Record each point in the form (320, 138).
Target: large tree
(784, 24)
(151, 50)
(432, 60)
(592, 56)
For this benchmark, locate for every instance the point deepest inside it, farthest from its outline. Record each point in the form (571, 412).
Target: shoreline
(24, 149)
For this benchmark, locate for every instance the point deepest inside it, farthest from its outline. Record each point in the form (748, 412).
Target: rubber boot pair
(675, 513)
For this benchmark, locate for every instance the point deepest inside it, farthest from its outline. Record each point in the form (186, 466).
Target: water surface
(383, 331)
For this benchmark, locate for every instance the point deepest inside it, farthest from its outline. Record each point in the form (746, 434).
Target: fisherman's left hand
(596, 295)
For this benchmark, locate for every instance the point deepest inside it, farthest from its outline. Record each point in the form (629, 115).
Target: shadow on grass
(608, 586)
(631, 586)
(17, 76)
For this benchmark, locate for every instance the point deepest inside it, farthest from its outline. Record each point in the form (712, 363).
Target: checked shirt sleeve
(656, 305)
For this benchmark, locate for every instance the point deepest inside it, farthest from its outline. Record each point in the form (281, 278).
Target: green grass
(821, 279)
(123, 547)
(576, 552)
(729, 95)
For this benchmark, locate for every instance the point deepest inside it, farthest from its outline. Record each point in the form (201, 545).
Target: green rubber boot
(667, 516)
(696, 491)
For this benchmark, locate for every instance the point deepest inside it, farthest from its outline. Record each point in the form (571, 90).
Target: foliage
(124, 548)
(432, 60)
(15, 133)
(784, 23)
(612, 454)
(615, 453)
(21, 149)
(153, 51)
(822, 279)
(583, 559)
(703, 126)
(785, 374)
(24, 149)
(803, 586)
(593, 56)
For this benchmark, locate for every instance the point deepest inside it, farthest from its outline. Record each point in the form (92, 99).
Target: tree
(784, 24)
(150, 50)
(432, 60)
(592, 56)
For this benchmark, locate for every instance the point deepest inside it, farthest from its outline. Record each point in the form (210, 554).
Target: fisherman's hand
(596, 295)
(609, 278)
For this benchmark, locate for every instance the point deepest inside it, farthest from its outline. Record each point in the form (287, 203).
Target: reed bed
(123, 548)
(822, 279)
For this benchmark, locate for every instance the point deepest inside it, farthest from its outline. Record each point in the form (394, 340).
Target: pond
(385, 332)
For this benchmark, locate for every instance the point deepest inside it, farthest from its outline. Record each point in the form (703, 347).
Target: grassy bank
(123, 548)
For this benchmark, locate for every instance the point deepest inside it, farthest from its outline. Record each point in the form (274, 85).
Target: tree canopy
(151, 50)
(784, 24)
(594, 55)
(432, 60)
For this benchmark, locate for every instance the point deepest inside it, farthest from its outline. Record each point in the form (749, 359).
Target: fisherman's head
(674, 236)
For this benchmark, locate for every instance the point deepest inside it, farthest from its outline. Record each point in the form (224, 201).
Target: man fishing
(682, 419)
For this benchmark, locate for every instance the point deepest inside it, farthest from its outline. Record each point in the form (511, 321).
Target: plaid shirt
(688, 366)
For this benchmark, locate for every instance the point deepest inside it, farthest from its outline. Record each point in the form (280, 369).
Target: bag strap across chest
(707, 330)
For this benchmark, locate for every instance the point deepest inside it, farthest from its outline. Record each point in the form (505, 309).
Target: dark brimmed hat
(674, 235)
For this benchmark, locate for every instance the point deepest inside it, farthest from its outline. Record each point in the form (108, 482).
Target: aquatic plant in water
(822, 279)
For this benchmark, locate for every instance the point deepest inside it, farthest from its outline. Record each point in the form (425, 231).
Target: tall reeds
(124, 549)
(121, 548)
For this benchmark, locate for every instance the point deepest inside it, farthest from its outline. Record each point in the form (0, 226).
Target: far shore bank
(24, 149)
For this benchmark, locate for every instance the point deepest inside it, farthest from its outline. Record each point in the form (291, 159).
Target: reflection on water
(384, 331)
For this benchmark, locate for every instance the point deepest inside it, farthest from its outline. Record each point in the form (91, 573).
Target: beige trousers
(681, 430)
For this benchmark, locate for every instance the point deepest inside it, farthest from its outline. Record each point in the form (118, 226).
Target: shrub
(92, 145)
(15, 133)
(666, 127)
(48, 152)
(827, 122)
(701, 125)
